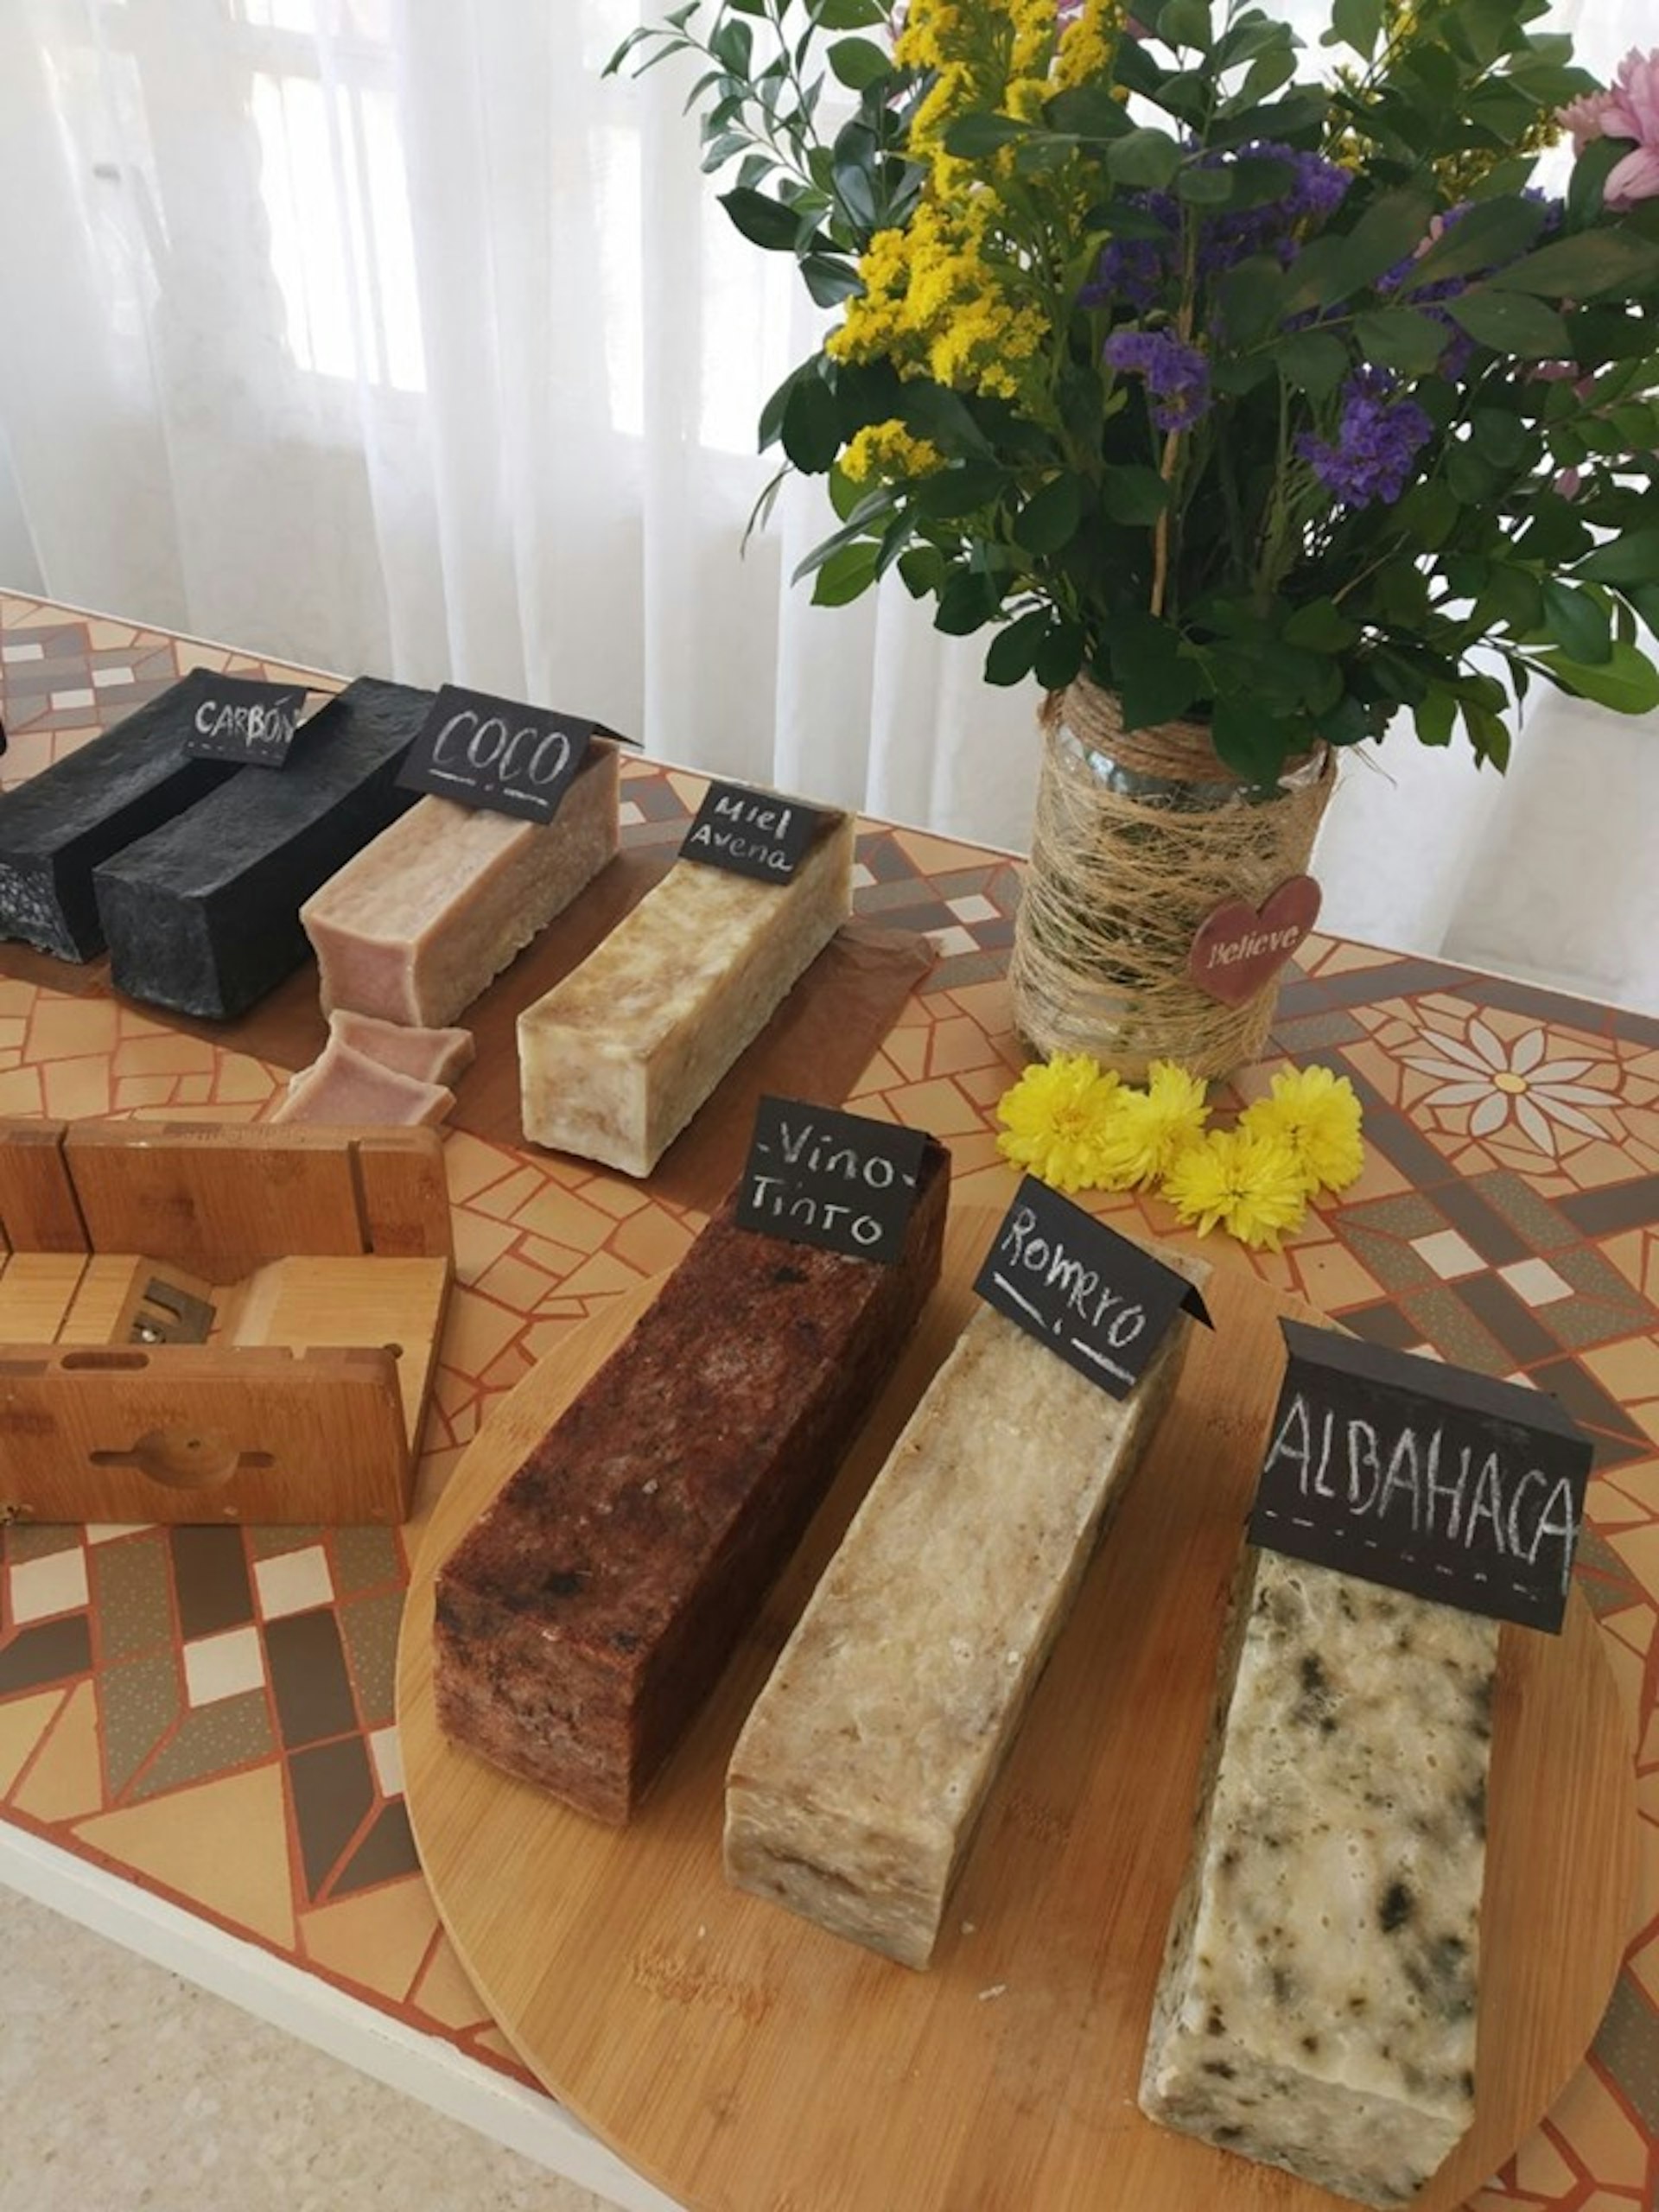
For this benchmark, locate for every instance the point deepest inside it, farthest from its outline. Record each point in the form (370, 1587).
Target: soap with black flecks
(203, 915)
(56, 828)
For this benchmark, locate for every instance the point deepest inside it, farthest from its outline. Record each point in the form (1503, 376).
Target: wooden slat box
(312, 1266)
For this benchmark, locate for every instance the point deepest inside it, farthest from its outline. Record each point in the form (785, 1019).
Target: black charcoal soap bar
(55, 828)
(204, 915)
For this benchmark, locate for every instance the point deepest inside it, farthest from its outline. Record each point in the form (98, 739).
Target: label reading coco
(752, 833)
(1100, 1301)
(240, 718)
(481, 751)
(817, 1176)
(1429, 1479)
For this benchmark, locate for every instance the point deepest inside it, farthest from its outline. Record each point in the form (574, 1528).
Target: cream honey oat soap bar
(616, 1060)
(1317, 2000)
(855, 1786)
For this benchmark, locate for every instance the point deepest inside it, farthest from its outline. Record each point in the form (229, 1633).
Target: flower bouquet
(1258, 392)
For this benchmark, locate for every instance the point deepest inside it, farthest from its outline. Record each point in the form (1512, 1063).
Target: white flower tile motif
(1510, 1086)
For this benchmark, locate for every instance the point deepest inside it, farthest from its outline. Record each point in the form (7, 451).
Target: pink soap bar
(419, 923)
(347, 1089)
(429, 1055)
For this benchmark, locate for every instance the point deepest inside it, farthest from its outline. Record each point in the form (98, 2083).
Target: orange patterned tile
(1601, 2131)
(23, 1724)
(66, 1777)
(223, 1844)
(378, 1940)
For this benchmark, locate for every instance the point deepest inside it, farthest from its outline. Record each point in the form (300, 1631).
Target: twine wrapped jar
(1139, 837)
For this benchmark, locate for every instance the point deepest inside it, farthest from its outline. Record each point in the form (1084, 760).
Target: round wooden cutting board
(745, 2062)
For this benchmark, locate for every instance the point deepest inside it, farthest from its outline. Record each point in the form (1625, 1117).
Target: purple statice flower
(1379, 436)
(1131, 269)
(1316, 190)
(1178, 375)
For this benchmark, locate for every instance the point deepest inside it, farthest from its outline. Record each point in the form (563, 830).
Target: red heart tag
(1239, 947)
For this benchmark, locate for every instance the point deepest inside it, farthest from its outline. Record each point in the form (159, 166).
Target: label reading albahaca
(1102, 1303)
(241, 718)
(495, 753)
(818, 1176)
(760, 834)
(1430, 1478)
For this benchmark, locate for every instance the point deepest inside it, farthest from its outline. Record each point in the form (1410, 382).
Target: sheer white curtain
(385, 334)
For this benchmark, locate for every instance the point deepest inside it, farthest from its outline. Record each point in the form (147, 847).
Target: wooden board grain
(748, 2063)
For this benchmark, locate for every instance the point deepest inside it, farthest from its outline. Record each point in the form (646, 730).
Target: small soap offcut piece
(582, 1623)
(1317, 2005)
(429, 1055)
(421, 921)
(346, 1089)
(856, 1784)
(616, 1060)
(204, 914)
(56, 828)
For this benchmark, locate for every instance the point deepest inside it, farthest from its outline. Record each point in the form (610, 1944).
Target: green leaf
(1050, 518)
(1632, 558)
(1467, 476)
(1428, 514)
(1252, 298)
(1489, 733)
(1500, 438)
(970, 137)
(846, 574)
(771, 415)
(1510, 322)
(1401, 338)
(1059, 655)
(1589, 178)
(1186, 22)
(1578, 623)
(860, 62)
(1141, 157)
(924, 569)
(847, 15)
(1248, 740)
(1314, 362)
(1013, 651)
(1491, 235)
(812, 426)
(1203, 188)
(1385, 235)
(762, 221)
(1156, 680)
(1579, 268)
(1358, 23)
(1133, 494)
(1434, 715)
(1627, 680)
(828, 279)
(962, 491)
(1088, 112)
(966, 604)
(1320, 627)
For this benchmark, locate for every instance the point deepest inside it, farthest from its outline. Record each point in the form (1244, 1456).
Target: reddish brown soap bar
(588, 1613)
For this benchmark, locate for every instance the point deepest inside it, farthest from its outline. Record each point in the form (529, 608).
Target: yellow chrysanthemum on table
(1151, 1128)
(1318, 1116)
(1243, 1181)
(1054, 1120)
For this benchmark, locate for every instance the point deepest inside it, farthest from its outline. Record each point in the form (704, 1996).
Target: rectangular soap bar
(588, 1614)
(348, 1090)
(420, 922)
(1317, 2005)
(430, 1055)
(56, 828)
(854, 1788)
(204, 915)
(616, 1060)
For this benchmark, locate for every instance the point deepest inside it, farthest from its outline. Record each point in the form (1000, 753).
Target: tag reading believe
(243, 719)
(819, 1177)
(492, 753)
(1427, 1478)
(751, 833)
(1103, 1304)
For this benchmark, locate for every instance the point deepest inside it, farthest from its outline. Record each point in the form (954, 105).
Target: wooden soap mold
(312, 1265)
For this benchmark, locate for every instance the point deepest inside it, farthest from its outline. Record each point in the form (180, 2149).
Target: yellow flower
(1242, 1181)
(1089, 45)
(1151, 1128)
(1318, 1116)
(887, 449)
(1054, 1117)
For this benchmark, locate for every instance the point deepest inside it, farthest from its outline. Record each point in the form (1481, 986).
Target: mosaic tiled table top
(207, 1713)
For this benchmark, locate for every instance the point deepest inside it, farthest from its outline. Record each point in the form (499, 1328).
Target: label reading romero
(819, 1177)
(751, 833)
(239, 718)
(490, 753)
(1448, 1485)
(1100, 1301)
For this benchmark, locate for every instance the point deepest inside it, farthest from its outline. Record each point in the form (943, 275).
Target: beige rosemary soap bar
(421, 921)
(1317, 2003)
(856, 1782)
(616, 1060)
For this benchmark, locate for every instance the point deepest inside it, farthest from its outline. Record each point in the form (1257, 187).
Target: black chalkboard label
(484, 751)
(751, 833)
(817, 1176)
(1448, 1485)
(1102, 1303)
(239, 718)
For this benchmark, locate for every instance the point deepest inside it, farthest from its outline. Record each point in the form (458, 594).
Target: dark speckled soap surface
(203, 915)
(56, 828)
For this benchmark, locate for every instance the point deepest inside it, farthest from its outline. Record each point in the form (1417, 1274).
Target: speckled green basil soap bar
(58, 826)
(204, 915)
(1317, 2005)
